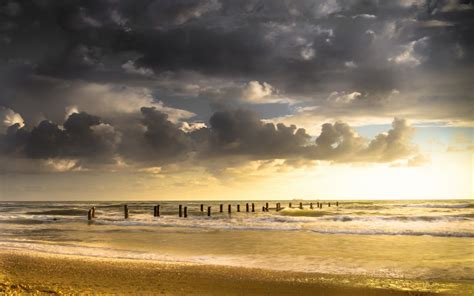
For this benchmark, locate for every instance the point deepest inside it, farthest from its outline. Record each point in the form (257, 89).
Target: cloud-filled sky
(113, 99)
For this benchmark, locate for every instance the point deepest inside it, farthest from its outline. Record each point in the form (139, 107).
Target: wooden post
(329, 204)
(89, 215)
(209, 211)
(263, 208)
(229, 209)
(125, 211)
(289, 205)
(247, 207)
(93, 212)
(278, 206)
(311, 205)
(301, 205)
(238, 208)
(154, 211)
(337, 203)
(180, 211)
(221, 208)
(185, 212)
(202, 208)
(158, 211)
(266, 206)
(253, 207)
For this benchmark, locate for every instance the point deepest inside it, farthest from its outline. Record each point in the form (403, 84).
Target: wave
(441, 206)
(444, 218)
(63, 212)
(303, 213)
(404, 232)
(23, 221)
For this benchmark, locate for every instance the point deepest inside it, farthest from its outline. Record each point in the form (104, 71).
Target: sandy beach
(38, 273)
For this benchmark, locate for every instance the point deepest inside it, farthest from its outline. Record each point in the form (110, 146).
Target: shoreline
(45, 273)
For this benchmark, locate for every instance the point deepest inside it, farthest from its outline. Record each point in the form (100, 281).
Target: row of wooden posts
(183, 211)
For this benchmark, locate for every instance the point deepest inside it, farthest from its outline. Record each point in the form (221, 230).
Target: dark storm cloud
(241, 132)
(232, 133)
(82, 136)
(253, 38)
(164, 137)
(304, 49)
(319, 61)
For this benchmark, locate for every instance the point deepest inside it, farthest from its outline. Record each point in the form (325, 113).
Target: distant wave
(411, 233)
(62, 212)
(447, 218)
(436, 205)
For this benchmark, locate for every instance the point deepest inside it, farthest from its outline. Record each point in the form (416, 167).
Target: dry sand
(38, 273)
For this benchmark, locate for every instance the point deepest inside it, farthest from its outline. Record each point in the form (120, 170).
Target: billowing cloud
(83, 136)
(164, 137)
(241, 132)
(153, 141)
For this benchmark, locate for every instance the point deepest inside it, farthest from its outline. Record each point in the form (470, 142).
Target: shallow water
(427, 240)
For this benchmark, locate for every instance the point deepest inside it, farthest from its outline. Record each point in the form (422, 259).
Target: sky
(248, 99)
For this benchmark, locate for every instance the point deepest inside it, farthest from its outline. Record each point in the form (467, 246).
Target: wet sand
(40, 273)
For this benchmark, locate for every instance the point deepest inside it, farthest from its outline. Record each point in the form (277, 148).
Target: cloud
(155, 72)
(394, 144)
(364, 16)
(409, 56)
(252, 92)
(241, 132)
(130, 67)
(8, 117)
(302, 49)
(83, 136)
(233, 136)
(461, 142)
(165, 138)
(39, 97)
(343, 98)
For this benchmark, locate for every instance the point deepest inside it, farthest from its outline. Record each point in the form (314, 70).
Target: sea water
(419, 240)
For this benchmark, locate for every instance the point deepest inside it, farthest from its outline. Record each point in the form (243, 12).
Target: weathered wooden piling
(221, 208)
(253, 207)
(93, 212)
(125, 211)
(89, 214)
(154, 211)
(180, 211)
(229, 209)
(263, 208)
(238, 208)
(337, 203)
(202, 208)
(185, 212)
(301, 205)
(158, 211)
(289, 205)
(278, 206)
(311, 205)
(266, 206)
(209, 211)
(329, 204)
(247, 207)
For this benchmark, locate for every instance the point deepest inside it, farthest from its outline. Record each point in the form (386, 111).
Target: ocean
(419, 240)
